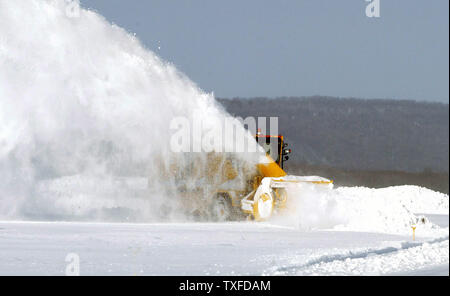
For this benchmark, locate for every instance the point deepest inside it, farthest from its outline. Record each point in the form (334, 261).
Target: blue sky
(298, 47)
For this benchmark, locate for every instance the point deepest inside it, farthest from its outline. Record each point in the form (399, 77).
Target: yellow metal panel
(271, 168)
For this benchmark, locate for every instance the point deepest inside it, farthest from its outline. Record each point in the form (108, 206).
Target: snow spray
(85, 115)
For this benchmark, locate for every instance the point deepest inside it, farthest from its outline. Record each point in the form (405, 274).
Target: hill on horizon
(357, 134)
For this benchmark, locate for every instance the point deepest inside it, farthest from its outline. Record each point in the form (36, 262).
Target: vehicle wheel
(221, 209)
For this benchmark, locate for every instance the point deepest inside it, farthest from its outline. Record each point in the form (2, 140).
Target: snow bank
(415, 198)
(388, 210)
(392, 209)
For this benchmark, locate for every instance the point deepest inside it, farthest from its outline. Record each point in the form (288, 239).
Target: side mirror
(286, 158)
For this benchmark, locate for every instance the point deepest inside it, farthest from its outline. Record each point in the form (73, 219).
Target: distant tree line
(357, 134)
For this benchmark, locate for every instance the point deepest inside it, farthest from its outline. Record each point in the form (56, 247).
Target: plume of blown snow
(84, 116)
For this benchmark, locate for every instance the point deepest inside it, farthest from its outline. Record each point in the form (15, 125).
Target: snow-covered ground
(84, 111)
(239, 248)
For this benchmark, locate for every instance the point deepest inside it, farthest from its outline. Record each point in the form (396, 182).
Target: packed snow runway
(374, 237)
(241, 248)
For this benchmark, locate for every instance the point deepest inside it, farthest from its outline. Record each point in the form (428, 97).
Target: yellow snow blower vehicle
(221, 187)
(269, 193)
